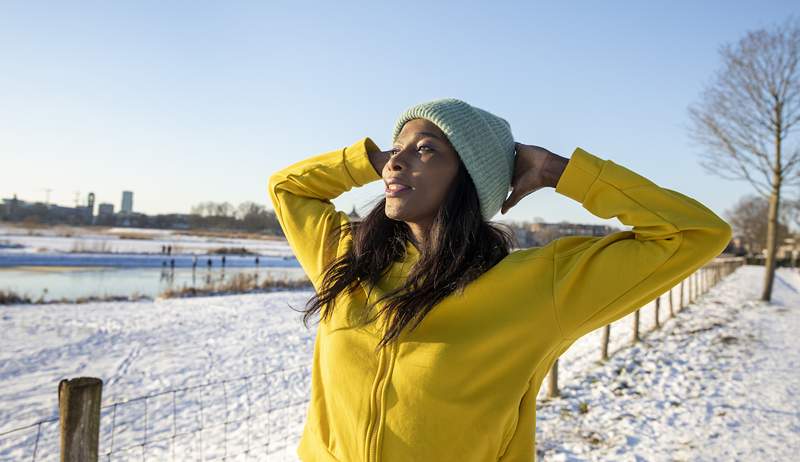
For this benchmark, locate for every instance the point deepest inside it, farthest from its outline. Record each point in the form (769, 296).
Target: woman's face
(425, 162)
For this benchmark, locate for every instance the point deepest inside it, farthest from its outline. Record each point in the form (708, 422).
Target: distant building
(541, 233)
(105, 209)
(10, 207)
(90, 205)
(18, 210)
(127, 202)
(568, 229)
(105, 214)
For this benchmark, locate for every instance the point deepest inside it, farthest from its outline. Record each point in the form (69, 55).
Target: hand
(378, 159)
(530, 173)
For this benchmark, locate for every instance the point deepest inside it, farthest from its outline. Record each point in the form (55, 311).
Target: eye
(427, 148)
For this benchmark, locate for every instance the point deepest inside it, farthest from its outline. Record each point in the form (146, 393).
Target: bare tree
(749, 221)
(746, 115)
(248, 208)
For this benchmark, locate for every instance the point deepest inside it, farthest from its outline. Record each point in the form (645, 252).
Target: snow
(63, 240)
(716, 382)
(138, 260)
(141, 348)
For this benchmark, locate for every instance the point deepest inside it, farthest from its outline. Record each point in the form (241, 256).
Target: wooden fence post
(706, 284)
(635, 337)
(552, 384)
(79, 416)
(671, 312)
(702, 279)
(658, 308)
(604, 342)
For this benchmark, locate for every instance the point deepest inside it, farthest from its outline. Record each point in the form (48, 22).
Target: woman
(434, 337)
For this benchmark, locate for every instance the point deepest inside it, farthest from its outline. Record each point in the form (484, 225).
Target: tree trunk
(772, 219)
(772, 231)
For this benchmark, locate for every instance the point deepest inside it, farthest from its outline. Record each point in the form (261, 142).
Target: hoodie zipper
(387, 365)
(375, 412)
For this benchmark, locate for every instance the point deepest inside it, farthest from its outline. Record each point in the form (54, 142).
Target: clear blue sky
(184, 102)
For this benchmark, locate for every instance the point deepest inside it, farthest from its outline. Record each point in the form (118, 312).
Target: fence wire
(254, 417)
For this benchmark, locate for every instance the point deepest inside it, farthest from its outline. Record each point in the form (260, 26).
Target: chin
(396, 214)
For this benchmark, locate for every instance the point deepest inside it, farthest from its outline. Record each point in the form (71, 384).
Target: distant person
(434, 321)
(169, 250)
(194, 261)
(223, 261)
(256, 260)
(209, 263)
(172, 263)
(163, 249)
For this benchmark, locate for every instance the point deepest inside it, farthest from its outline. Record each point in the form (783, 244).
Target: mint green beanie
(483, 141)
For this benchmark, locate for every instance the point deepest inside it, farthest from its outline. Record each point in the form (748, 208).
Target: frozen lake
(56, 263)
(70, 282)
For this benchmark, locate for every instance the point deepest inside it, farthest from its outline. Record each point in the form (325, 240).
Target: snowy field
(717, 382)
(720, 381)
(63, 239)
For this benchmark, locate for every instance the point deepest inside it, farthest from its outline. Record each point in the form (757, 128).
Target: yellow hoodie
(462, 386)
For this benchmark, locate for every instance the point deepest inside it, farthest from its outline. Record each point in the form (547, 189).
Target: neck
(419, 232)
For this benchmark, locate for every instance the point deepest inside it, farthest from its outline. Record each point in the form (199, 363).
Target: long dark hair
(459, 248)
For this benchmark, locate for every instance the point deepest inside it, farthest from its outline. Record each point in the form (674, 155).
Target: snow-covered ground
(717, 382)
(60, 239)
(142, 348)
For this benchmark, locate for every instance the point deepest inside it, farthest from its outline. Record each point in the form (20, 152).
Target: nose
(397, 161)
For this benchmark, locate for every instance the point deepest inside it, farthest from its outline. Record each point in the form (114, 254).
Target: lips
(394, 187)
(397, 185)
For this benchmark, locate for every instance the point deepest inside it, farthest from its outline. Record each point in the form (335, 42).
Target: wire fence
(254, 417)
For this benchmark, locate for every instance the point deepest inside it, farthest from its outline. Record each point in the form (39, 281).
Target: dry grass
(231, 251)
(239, 284)
(132, 235)
(230, 234)
(81, 246)
(9, 297)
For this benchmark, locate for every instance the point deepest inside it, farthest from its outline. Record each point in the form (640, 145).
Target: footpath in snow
(720, 381)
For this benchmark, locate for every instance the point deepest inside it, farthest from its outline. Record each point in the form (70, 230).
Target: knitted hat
(482, 140)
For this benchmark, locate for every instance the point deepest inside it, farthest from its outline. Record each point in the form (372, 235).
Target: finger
(510, 202)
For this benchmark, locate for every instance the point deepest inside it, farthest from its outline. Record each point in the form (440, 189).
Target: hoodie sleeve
(598, 280)
(301, 196)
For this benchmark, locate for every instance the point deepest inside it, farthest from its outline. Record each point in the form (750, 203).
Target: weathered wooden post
(635, 337)
(658, 308)
(671, 311)
(552, 383)
(604, 342)
(706, 281)
(79, 417)
(701, 278)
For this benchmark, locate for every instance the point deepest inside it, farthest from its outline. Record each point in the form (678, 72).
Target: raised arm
(597, 280)
(301, 196)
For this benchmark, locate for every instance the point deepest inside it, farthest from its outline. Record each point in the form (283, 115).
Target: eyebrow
(431, 134)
